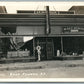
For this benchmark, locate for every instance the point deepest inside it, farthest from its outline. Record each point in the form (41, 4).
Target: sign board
(73, 29)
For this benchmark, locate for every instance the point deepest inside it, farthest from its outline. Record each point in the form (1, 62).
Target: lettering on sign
(73, 29)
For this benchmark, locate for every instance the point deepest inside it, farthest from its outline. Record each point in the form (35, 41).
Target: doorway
(47, 47)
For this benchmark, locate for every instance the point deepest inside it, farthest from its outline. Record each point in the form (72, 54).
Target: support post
(34, 46)
(47, 31)
(62, 45)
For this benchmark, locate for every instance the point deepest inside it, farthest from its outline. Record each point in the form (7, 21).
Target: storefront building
(57, 33)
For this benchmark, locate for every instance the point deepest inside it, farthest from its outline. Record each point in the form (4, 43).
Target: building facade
(57, 33)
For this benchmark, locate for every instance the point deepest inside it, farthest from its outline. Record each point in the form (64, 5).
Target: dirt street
(44, 69)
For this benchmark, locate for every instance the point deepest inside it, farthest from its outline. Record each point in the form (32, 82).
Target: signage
(73, 29)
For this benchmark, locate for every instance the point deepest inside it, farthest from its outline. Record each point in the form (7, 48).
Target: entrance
(47, 48)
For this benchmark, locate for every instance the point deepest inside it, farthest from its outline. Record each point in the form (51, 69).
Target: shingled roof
(77, 9)
(3, 9)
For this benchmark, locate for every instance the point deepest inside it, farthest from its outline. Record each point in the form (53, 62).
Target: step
(19, 59)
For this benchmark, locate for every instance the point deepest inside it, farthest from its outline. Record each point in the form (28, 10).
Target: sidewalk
(42, 65)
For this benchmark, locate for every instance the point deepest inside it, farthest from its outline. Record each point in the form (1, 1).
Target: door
(49, 48)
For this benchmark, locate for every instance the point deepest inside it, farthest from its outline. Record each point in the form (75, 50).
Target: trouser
(39, 53)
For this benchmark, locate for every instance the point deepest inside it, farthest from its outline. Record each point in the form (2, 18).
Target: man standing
(38, 48)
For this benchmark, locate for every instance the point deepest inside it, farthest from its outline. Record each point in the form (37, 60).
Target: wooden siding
(30, 30)
(34, 24)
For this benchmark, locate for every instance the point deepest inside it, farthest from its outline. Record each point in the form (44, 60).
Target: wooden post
(47, 31)
(34, 46)
(62, 45)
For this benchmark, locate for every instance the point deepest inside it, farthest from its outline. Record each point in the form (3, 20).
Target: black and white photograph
(41, 39)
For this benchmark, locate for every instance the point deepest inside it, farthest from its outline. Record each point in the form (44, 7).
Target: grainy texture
(44, 69)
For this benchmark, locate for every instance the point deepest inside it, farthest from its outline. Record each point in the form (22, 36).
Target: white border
(42, 80)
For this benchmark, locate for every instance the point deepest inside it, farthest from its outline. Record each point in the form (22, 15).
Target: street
(43, 69)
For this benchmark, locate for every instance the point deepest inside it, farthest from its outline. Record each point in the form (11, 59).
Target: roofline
(2, 15)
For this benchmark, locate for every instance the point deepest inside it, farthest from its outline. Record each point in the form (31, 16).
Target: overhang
(39, 19)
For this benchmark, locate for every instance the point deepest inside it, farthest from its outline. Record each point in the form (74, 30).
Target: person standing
(38, 48)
